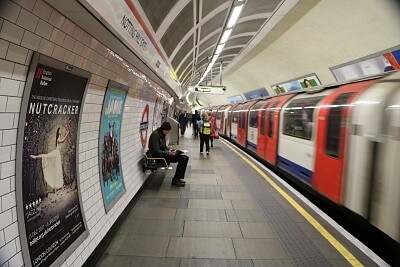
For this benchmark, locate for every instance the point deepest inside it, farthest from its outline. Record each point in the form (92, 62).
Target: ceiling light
(219, 48)
(215, 57)
(187, 99)
(234, 16)
(225, 36)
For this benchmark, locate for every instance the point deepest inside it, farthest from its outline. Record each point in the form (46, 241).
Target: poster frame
(38, 58)
(112, 204)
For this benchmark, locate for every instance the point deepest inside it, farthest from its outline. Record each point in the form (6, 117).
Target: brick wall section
(28, 26)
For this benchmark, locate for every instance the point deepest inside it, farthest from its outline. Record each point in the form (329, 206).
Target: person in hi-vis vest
(205, 129)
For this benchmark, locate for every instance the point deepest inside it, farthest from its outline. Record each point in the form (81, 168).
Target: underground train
(342, 140)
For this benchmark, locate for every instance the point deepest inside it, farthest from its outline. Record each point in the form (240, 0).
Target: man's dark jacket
(158, 145)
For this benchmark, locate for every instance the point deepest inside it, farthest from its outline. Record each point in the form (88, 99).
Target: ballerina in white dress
(51, 162)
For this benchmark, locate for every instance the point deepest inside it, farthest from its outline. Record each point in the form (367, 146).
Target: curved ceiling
(189, 31)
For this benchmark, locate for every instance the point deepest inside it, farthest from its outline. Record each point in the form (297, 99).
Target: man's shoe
(212, 145)
(208, 153)
(177, 182)
(182, 181)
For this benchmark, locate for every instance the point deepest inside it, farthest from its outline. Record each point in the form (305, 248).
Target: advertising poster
(109, 145)
(262, 92)
(144, 126)
(380, 63)
(51, 208)
(235, 99)
(296, 84)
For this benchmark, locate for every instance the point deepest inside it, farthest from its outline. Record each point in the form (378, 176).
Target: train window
(299, 116)
(334, 124)
(235, 114)
(271, 118)
(218, 115)
(263, 118)
(253, 116)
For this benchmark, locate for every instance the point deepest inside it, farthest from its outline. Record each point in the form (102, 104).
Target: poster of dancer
(109, 145)
(50, 213)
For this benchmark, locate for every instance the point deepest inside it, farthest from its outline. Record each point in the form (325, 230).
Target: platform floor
(227, 215)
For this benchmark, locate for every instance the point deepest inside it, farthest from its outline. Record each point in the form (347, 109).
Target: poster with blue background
(109, 145)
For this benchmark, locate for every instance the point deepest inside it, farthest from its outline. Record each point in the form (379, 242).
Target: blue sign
(262, 92)
(235, 99)
(109, 148)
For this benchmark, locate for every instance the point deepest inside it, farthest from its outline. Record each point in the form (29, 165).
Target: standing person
(189, 119)
(213, 121)
(195, 119)
(182, 122)
(158, 148)
(52, 162)
(205, 129)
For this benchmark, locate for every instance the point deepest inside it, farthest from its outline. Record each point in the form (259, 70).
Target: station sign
(217, 90)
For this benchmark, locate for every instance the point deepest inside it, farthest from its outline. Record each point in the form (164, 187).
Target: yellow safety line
(349, 257)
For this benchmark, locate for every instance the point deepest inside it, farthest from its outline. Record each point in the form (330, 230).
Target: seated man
(158, 149)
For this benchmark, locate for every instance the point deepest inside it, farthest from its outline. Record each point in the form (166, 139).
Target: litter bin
(173, 137)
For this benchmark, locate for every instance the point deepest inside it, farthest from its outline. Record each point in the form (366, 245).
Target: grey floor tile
(209, 204)
(236, 195)
(212, 229)
(134, 245)
(152, 227)
(341, 263)
(204, 181)
(133, 261)
(202, 171)
(309, 230)
(244, 205)
(273, 263)
(215, 262)
(200, 215)
(153, 213)
(191, 247)
(201, 195)
(161, 194)
(179, 203)
(229, 181)
(205, 176)
(245, 216)
(256, 230)
(327, 249)
(259, 249)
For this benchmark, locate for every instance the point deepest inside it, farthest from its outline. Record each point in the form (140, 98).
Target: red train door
(332, 134)
(262, 129)
(272, 127)
(242, 123)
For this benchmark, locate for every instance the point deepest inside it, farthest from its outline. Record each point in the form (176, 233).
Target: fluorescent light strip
(225, 36)
(219, 48)
(234, 16)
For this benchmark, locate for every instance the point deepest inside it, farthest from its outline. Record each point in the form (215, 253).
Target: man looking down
(158, 149)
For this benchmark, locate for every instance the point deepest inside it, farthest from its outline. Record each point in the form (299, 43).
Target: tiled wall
(32, 25)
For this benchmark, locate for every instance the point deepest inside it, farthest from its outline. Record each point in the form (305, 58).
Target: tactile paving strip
(299, 247)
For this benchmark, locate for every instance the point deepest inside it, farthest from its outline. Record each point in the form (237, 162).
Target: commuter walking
(213, 121)
(182, 119)
(195, 119)
(205, 129)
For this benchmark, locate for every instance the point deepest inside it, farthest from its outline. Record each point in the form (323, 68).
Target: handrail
(166, 164)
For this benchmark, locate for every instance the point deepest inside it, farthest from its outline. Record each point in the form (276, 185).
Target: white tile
(21, 89)
(78, 48)
(7, 170)
(5, 155)
(9, 10)
(9, 136)
(14, 210)
(3, 48)
(5, 219)
(68, 27)
(13, 105)
(13, 150)
(78, 34)
(20, 72)
(87, 39)
(68, 43)
(46, 47)
(59, 52)
(56, 19)
(6, 68)
(17, 53)
(11, 32)
(26, 4)
(44, 29)
(30, 41)
(9, 87)
(42, 9)
(8, 201)
(27, 20)
(6, 121)
(17, 260)
(8, 249)
(11, 232)
(57, 36)
(69, 57)
(16, 120)
(5, 186)
(3, 105)
(2, 240)
(29, 57)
